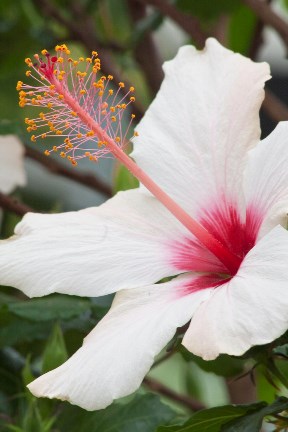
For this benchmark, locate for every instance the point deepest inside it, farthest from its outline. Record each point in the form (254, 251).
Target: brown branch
(266, 14)
(55, 167)
(188, 23)
(274, 107)
(146, 53)
(82, 28)
(257, 39)
(14, 206)
(242, 390)
(160, 388)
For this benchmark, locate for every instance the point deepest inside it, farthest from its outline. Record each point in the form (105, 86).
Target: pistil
(108, 140)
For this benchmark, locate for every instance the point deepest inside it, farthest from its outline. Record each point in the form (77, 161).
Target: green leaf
(144, 413)
(281, 350)
(55, 352)
(8, 127)
(211, 420)
(239, 40)
(27, 373)
(19, 331)
(207, 9)
(53, 307)
(224, 365)
(253, 422)
(124, 180)
(230, 418)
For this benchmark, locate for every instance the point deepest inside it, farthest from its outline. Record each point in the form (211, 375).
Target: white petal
(12, 171)
(249, 310)
(118, 353)
(266, 180)
(124, 243)
(194, 138)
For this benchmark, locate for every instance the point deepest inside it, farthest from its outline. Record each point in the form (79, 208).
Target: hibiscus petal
(126, 242)
(194, 138)
(249, 310)
(266, 181)
(118, 353)
(12, 171)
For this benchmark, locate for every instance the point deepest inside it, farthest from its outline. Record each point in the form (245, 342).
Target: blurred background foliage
(133, 38)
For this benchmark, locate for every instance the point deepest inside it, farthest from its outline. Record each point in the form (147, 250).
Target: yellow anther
(39, 97)
(123, 106)
(82, 92)
(90, 133)
(121, 84)
(87, 154)
(75, 63)
(61, 97)
(73, 113)
(132, 99)
(42, 116)
(117, 139)
(19, 85)
(44, 52)
(44, 135)
(73, 161)
(28, 61)
(133, 116)
(55, 148)
(136, 134)
(63, 154)
(60, 60)
(49, 105)
(22, 93)
(112, 109)
(88, 60)
(58, 132)
(52, 87)
(113, 118)
(94, 53)
(93, 158)
(79, 135)
(101, 93)
(81, 59)
(28, 73)
(110, 92)
(33, 138)
(132, 89)
(47, 153)
(29, 129)
(110, 77)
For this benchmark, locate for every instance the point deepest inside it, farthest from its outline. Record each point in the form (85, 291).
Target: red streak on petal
(203, 282)
(224, 222)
